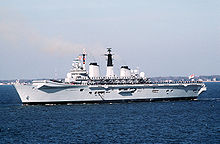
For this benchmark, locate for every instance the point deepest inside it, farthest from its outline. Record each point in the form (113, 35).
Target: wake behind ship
(82, 86)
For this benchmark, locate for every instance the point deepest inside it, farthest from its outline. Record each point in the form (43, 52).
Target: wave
(209, 99)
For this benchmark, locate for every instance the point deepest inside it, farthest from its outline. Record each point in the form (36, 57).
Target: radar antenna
(109, 50)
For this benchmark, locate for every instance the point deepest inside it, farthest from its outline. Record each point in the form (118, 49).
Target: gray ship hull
(64, 94)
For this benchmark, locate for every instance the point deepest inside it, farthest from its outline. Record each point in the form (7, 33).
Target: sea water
(140, 122)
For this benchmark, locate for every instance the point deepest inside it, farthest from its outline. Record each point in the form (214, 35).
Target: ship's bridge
(77, 72)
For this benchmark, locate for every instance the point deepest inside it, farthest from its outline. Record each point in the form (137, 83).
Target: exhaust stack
(125, 71)
(94, 70)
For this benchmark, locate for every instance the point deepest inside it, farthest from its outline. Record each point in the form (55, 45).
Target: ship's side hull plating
(31, 94)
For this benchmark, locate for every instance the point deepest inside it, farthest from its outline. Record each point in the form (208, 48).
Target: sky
(40, 38)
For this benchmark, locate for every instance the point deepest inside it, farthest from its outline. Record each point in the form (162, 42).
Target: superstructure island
(82, 86)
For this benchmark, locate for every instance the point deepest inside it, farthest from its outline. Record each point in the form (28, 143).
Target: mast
(109, 72)
(84, 59)
(109, 62)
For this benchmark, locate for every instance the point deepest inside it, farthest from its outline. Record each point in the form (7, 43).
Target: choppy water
(143, 122)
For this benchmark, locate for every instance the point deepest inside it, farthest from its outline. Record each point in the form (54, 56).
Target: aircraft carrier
(82, 86)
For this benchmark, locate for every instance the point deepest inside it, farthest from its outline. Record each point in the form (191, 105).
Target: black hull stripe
(110, 101)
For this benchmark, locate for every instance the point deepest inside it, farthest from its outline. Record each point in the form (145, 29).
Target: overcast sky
(40, 38)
